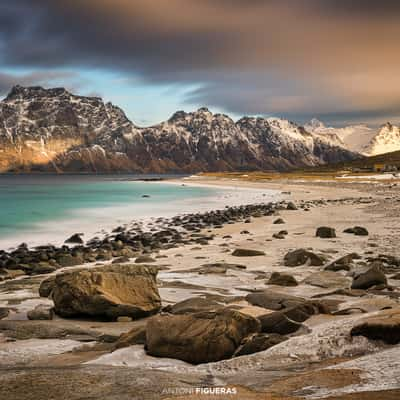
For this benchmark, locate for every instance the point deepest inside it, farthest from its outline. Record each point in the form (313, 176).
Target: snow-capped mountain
(386, 140)
(52, 129)
(360, 138)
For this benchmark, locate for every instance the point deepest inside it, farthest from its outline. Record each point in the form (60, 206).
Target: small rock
(144, 259)
(41, 312)
(325, 232)
(124, 318)
(279, 221)
(299, 257)
(75, 239)
(247, 253)
(282, 279)
(374, 276)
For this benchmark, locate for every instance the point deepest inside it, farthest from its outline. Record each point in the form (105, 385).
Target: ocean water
(47, 209)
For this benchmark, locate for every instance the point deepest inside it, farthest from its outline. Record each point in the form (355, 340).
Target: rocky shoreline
(262, 297)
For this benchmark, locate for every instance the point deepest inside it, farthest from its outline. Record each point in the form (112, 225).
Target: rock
(199, 337)
(291, 206)
(325, 232)
(327, 279)
(279, 221)
(374, 276)
(144, 259)
(43, 268)
(120, 260)
(273, 300)
(136, 335)
(11, 274)
(278, 236)
(282, 279)
(258, 342)
(342, 263)
(41, 312)
(75, 239)
(385, 326)
(47, 286)
(68, 260)
(247, 253)
(357, 230)
(108, 292)
(4, 311)
(194, 304)
(278, 322)
(299, 257)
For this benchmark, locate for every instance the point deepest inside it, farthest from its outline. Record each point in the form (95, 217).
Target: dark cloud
(45, 78)
(289, 57)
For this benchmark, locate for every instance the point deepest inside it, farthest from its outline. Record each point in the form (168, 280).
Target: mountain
(54, 130)
(360, 138)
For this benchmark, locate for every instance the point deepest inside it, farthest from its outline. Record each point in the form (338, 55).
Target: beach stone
(119, 260)
(47, 286)
(343, 263)
(385, 326)
(247, 253)
(281, 279)
(291, 206)
(199, 337)
(273, 300)
(299, 257)
(107, 292)
(357, 230)
(43, 268)
(327, 279)
(41, 312)
(144, 259)
(4, 311)
(279, 221)
(325, 232)
(194, 304)
(374, 276)
(68, 260)
(75, 239)
(258, 342)
(278, 322)
(11, 274)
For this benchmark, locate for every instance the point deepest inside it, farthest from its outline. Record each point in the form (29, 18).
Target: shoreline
(322, 352)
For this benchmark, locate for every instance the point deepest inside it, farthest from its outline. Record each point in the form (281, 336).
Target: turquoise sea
(47, 208)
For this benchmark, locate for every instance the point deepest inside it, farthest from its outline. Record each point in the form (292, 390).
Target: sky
(336, 60)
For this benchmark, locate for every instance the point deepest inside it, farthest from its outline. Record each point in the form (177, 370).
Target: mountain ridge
(54, 130)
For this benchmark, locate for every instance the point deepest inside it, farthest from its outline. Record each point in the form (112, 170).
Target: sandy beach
(319, 360)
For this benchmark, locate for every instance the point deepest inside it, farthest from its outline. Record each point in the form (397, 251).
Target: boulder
(107, 292)
(247, 253)
(279, 221)
(299, 257)
(374, 276)
(357, 230)
(282, 279)
(325, 232)
(258, 342)
(199, 337)
(343, 263)
(385, 326)
(278, 322)
(68, 260)
(41, 312)
(273, 300)
(75, 239)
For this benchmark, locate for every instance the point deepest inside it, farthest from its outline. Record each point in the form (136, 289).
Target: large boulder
(299, 257)
(46, 286)
(374, 276)
(107, 292)
(385, 326)
(199, 337)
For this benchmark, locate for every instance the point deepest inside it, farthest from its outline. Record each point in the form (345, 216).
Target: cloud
(290, 57)
(45, 78)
